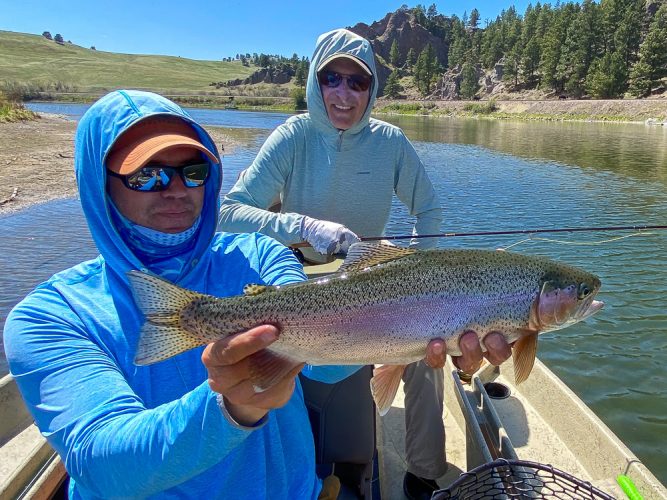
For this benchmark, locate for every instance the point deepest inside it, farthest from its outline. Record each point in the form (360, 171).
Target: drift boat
(486, 418)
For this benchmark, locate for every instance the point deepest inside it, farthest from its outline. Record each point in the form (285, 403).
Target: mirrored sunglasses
(154, 177)
(332, 79)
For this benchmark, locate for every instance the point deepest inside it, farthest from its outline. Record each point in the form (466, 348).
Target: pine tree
(393, 53)
(469, 83)
(530, 55)
(511, 68)
(425, 70)
(474, 18)
(607, 76)
(301, 74)
(641, 82)
(459, 44)
(492, 45)
(550, 64)
(411, 58)
(393, 88)
(579, 48)
(652, 65)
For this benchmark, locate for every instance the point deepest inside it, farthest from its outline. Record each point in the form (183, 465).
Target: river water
(491, 175)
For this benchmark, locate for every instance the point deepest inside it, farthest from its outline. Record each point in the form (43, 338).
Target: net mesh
(504, 479)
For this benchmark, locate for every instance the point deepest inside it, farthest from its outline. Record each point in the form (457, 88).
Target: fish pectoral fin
(363, 255)
(268, 368)
(256, 289)
(523, 354)
(384, 385)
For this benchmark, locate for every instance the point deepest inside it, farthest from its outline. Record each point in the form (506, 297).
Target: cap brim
(137, 155)
(350, 57)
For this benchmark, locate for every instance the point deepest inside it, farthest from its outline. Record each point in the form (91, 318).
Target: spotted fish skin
(376, 310)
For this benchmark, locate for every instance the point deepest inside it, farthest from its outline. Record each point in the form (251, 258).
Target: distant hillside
(32, 59)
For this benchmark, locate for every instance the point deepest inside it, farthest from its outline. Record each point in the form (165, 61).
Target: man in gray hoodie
(335, 170)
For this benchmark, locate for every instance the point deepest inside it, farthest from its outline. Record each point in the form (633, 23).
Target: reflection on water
(37, 243)
(500, 176)
(635, 150)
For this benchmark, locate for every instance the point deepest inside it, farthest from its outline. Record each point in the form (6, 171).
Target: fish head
(566, 297)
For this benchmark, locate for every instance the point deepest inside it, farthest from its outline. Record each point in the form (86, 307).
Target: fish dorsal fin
(523, 355)
(384, 385)
(256, 289)
(363, 255)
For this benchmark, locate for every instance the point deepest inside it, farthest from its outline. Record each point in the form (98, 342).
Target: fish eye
(584, 291)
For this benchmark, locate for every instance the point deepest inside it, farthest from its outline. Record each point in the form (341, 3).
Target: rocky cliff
(400, 26)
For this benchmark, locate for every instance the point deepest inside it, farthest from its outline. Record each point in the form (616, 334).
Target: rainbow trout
(383, 306)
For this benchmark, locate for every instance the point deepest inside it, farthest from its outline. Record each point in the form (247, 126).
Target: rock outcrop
(263, 75)
(400, 26)
(449, 84)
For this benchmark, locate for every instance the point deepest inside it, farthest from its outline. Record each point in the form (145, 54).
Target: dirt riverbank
(37, 160)
(627, 110)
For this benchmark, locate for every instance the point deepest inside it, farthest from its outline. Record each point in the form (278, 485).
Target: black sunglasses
(332, 79)
(154, 177)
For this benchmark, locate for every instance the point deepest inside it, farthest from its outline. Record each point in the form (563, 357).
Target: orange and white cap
(141, 142)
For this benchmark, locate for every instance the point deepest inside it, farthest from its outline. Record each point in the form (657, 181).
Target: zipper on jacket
(340, 139)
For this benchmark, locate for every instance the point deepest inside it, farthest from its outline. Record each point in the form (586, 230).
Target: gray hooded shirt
(346, 176)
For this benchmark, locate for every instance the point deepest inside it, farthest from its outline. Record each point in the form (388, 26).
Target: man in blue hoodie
(191, 426)
(335, 171)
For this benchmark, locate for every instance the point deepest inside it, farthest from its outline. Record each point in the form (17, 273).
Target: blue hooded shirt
(127, 431)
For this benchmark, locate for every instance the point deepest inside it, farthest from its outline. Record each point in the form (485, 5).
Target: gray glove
(327, 237)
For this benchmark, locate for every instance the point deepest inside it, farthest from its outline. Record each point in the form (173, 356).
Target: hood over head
(96, 133)
(337, 43)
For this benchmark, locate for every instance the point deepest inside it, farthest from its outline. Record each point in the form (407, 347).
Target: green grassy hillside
(32, 59)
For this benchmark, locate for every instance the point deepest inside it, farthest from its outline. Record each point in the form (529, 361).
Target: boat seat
(342, 417)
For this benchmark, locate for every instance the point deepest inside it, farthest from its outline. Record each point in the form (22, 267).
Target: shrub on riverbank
(482, 108)
(406, 108)
(12, 111)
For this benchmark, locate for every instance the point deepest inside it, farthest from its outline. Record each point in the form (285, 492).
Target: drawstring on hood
(96, 134)
(340, 41)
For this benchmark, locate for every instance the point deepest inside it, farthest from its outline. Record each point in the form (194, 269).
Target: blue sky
(209, 29)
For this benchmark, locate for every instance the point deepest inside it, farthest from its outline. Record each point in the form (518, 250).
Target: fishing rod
(503, 233)
(516, 231)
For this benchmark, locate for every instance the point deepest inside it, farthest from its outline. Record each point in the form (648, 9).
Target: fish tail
(161, 302)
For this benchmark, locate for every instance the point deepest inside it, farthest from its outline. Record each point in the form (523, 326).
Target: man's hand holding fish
(497, 351)
(227, 362)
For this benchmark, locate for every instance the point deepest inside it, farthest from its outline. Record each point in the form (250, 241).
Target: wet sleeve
(111, 443)
(245, 208)
(278, 265)
(414, 188)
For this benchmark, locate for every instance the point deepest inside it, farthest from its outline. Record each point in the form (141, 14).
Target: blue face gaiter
(165, 254)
